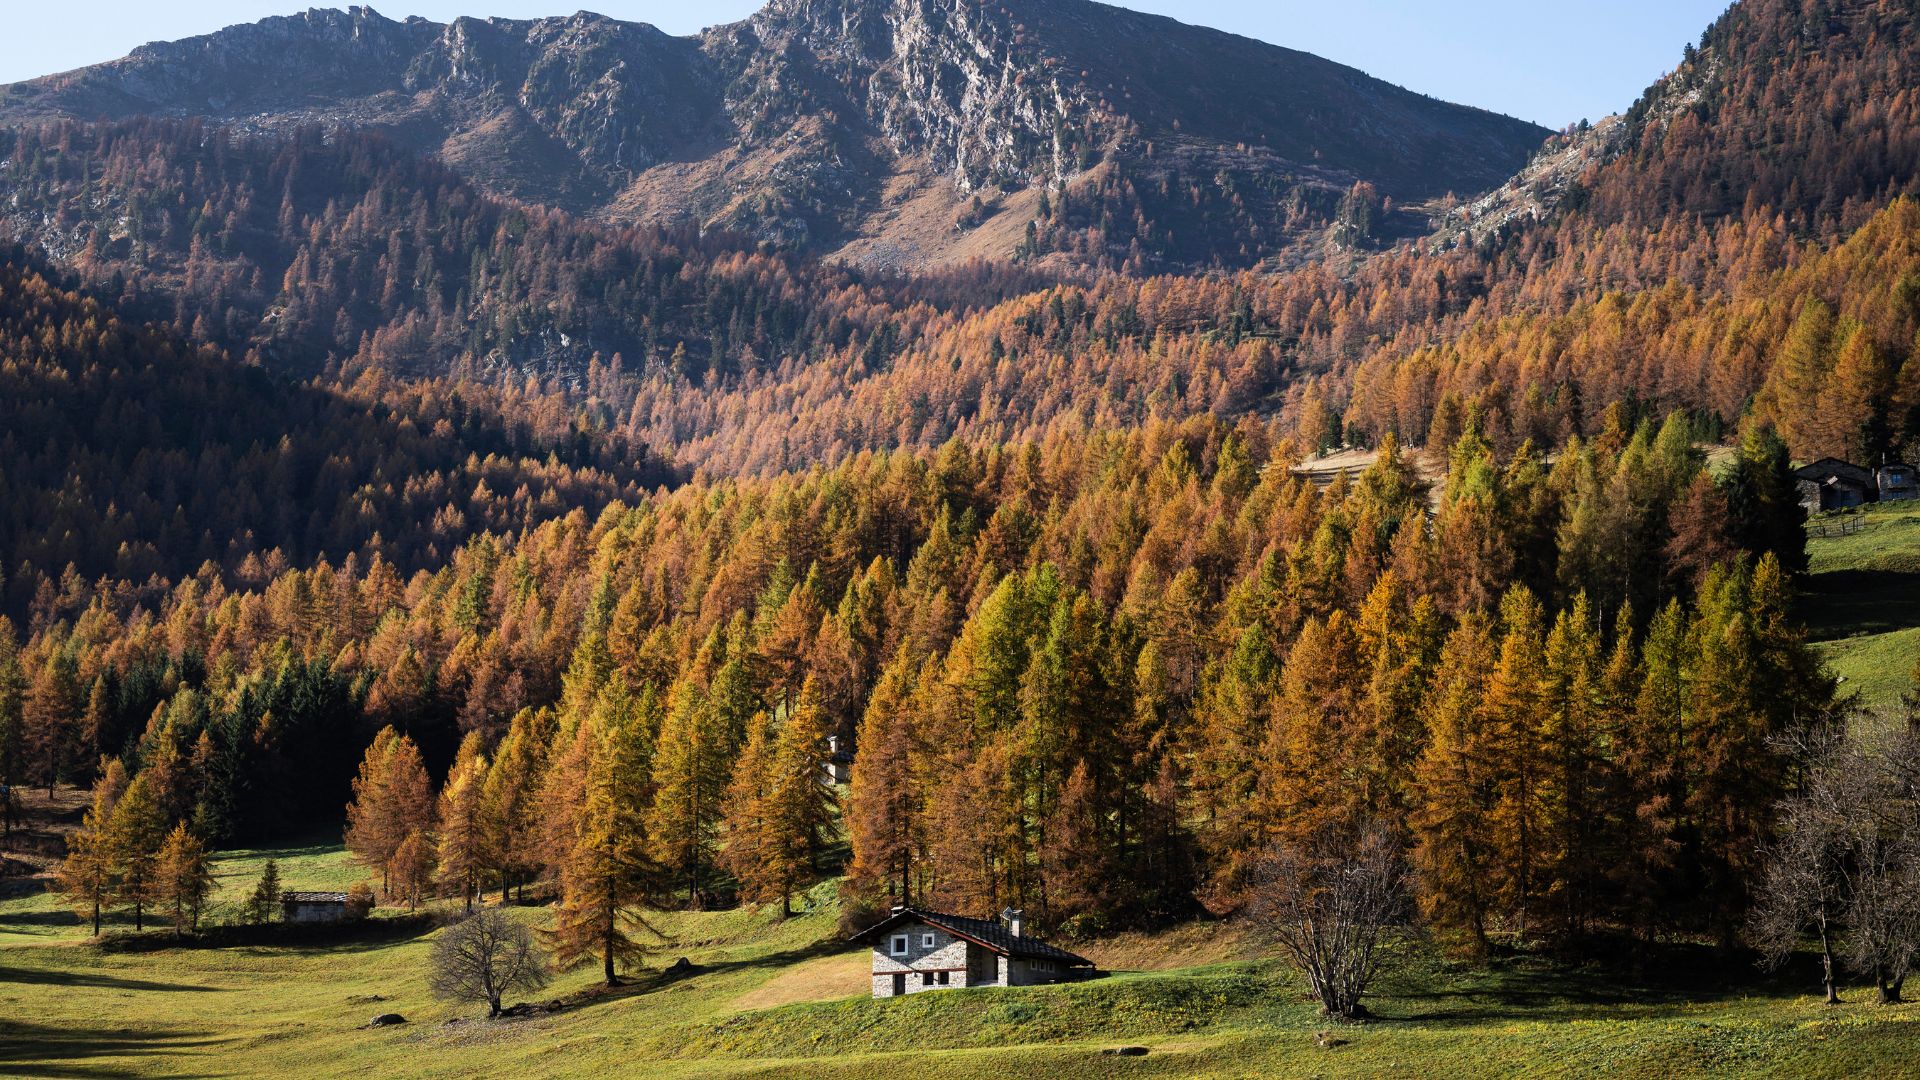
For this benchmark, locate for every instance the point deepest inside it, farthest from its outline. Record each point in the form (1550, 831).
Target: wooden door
(899, 983)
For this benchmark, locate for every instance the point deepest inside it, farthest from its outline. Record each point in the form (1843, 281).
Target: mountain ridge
(892, 132)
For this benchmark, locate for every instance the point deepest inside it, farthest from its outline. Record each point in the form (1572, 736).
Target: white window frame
(928, 941)
(900, 945)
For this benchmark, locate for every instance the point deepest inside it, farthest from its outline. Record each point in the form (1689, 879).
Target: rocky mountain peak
(884, 129)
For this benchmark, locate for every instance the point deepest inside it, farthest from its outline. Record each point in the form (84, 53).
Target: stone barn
(321, 907)
(915, 950)
(1832, 484)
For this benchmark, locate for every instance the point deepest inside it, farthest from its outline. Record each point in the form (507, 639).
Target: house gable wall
(924, 963)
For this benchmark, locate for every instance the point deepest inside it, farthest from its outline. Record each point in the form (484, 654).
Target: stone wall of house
(930, 954)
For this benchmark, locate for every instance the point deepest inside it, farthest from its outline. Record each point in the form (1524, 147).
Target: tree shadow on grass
(1522, 987)
(44, 977)
(64, 920)
(654, 981)
(1845, 603)
(42, 1050)
(318, 845)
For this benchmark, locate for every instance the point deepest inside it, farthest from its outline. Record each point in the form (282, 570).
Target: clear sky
(1550, 61)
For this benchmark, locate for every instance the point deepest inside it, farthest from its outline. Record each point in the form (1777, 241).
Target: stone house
(915, 950)
(1832, 484)
(1897, 482)
(321, 907)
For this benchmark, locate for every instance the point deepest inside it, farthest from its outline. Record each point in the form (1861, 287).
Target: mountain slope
(895, 131)
(1805, 109)
(129, 450)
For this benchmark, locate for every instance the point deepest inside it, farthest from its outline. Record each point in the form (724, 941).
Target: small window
(926, 978)
(928, 940)
(943, 978)
(899, 944)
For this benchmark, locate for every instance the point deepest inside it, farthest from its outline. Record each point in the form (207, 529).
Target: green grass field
(770, 999)
(1862, 603)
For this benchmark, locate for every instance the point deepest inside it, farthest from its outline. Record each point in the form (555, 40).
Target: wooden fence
(1846, 526)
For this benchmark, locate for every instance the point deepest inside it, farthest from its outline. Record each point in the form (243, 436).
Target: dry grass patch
(825, 979)
(1188, 945)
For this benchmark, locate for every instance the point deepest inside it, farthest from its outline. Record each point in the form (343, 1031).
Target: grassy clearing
(30, 913)
(772, 998)
(1862, 603)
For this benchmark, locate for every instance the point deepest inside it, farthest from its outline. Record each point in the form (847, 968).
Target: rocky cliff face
(961, 83)
(888, 130)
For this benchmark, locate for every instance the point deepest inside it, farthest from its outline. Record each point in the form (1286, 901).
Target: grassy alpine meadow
(768, 997)
(1862, 602)
(30, 914)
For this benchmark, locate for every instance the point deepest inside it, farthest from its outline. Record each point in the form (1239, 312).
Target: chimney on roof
(1011, 916)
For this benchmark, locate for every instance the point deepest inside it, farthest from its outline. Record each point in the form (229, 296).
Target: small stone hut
(916, 950)
(321, 907)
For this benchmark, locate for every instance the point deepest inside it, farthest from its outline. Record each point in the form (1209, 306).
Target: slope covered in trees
(138, 456)
(1091, 678)
(1802, 108)
(316, 248)
(311, 247)
(1035, 548)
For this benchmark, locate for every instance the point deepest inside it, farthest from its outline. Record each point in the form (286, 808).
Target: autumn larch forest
(1179, 511)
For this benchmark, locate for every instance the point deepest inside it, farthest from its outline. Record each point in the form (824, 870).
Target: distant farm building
(1832, 484)
(321, 907)
(916, 950)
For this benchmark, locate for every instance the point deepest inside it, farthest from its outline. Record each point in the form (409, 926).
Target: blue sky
(1550, 61)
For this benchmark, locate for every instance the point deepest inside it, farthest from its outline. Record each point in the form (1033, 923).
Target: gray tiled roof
(986, 932)
(314, 898)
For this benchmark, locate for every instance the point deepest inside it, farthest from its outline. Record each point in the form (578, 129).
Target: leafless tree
(1847, 864)
(1884, 915)
(485, 956)
(1327, 903)
(1805, 883)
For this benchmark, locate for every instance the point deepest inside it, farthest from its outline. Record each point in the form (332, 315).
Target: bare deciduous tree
(1884, 916)
(1327, 903)
(1847, 864)
(485, 956)
(1804, 884)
